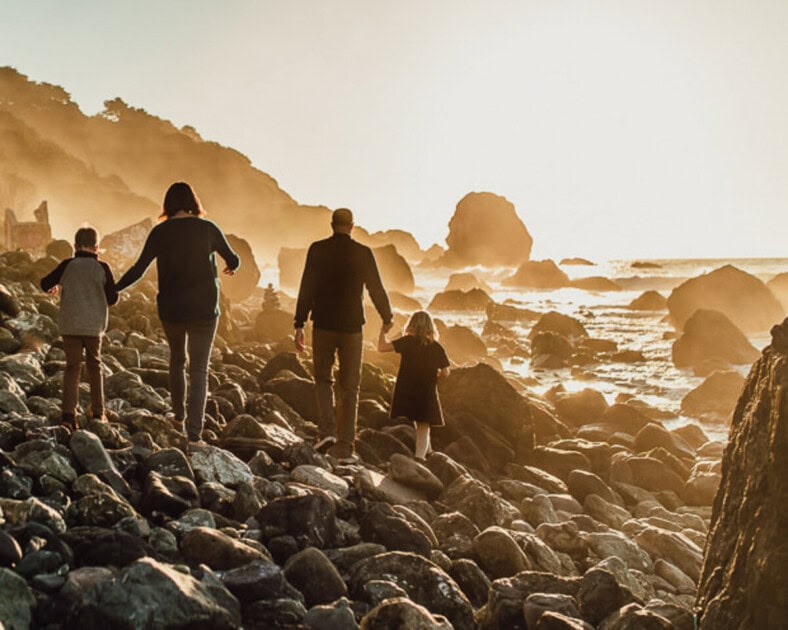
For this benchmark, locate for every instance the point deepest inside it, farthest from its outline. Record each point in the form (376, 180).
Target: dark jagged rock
(745, 568)
(424, 582)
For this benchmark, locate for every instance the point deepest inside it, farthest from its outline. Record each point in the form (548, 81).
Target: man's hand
(299, 339)
(228, 272)
(387, 327)
(54, 290)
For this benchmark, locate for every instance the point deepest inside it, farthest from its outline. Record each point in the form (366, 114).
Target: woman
(183, 245)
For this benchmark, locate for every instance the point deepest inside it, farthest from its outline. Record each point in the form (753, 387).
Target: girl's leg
(200, 343)
(422, 439)
(176, 338)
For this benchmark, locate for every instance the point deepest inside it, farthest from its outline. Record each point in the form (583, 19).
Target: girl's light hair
(420, 324)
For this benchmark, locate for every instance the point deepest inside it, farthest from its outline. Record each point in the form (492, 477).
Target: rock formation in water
(404, 241)
(538, 274)
(710, 337)
(649, 301)
(465, 281)
(485, 230)
(745, 568)
(456, 300)
(742, 297)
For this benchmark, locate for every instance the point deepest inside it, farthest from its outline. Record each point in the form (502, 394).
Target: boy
(88, 288)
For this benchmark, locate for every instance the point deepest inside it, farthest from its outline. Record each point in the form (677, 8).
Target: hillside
(112, 169)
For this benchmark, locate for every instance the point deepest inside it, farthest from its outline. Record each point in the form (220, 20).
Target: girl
(183, 245)
(416, 393)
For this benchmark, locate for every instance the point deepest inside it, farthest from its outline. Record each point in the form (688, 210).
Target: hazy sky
(618, 128)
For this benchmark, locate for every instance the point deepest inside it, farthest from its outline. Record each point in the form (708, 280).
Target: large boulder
(465, 281)
(485, 230)
(715, 396)
(649, 301)
(709, 336)
(458, 300)
(423, 581)
(745, 569)
(538, 274)
(743, 298)
(484, 394)
(242, 284)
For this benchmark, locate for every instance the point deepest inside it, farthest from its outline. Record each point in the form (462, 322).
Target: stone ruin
(28, 235)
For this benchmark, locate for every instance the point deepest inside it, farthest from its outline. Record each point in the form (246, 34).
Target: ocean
(655, 381)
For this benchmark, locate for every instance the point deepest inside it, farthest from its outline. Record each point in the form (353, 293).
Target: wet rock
(202, 545)
(634, 617)
(378, 591)
(649, 301)
(382, 524)
(672, 546)
(741, 297)
(214, 464)
(655, 435)
(425, 583)
(499, 554)
(101, 510)
(297, 392)
(600, 595)
(16, 600)
(400, 612)
(338, 616)
(278, 614)
(710, 336)
(471, 579)
(259, 579)
(98, 546)
(715, 396)
(465, 281)
(457, 300)
(595, 283)
(311, 519)
(504, 608)
(345, 557)
(483, 507)
(538, 274)
(149, 593)
(485, 394)
(320, 478)
(169, 495)
(463, 346)
(409, 472)
(24, 368)
(537, 604)
(312, 573)
(561, 324)
(582, 407)
(616, 544)
(10, 551)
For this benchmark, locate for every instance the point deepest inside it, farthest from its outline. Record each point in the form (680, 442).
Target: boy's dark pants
(73, 345)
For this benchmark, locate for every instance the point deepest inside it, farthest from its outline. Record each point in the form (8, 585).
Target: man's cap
(341, 216)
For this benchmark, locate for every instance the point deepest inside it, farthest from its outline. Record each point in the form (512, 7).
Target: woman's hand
(228, 272)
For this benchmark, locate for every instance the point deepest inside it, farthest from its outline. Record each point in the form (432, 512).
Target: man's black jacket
(332, 288)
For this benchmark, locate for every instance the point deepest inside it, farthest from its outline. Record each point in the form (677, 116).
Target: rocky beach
(614, 455)
(535, 511)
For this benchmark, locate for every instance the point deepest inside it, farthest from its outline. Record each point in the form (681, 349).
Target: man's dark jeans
(326, 345)
(199, 337)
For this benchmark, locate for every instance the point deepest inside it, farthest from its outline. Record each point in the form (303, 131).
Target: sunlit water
(605, 315)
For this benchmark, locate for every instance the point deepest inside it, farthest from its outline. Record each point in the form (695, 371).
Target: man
(332, 288)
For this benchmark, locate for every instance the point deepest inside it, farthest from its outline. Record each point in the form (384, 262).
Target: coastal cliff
(745, 567)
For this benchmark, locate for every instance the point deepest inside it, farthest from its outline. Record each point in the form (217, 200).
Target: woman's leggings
(197, 338)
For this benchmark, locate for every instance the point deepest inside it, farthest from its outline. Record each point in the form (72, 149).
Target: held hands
(386, 327)
(299, 339)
